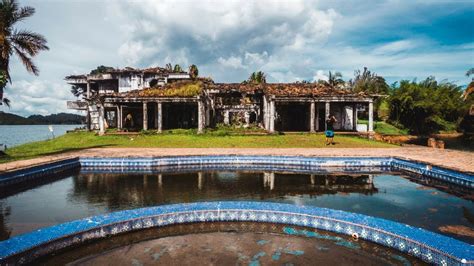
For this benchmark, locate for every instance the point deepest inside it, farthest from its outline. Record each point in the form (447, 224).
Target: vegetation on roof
(176, 89)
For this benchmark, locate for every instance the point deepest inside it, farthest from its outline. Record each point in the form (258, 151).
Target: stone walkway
(457, 160)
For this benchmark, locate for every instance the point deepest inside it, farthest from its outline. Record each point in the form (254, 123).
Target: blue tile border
(427, 246)
(293, 163)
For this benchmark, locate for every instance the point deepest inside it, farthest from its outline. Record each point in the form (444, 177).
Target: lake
(14, 135)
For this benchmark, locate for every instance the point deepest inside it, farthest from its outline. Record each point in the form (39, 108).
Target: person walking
(330, 129)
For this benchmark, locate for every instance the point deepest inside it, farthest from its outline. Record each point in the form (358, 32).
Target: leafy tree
(426, 106)
(177, 68)
(193, 71)
(258, 77)
(371, 83)
(101, 70)
(25, 44)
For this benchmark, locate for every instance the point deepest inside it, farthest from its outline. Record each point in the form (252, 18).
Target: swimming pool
(376, 187)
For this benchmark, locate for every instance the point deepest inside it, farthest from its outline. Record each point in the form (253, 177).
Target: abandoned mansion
(161, 99)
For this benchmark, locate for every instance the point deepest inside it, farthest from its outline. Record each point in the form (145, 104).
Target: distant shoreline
(53, 119)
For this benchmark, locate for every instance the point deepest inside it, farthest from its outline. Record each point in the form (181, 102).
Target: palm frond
(27, 62)
(28, 41)
(6, 102)
(23, 13)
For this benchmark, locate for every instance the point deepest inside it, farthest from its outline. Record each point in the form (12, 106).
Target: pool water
(391, 196)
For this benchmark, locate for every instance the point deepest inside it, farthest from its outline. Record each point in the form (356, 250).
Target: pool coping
(425, 245)
(311, 162)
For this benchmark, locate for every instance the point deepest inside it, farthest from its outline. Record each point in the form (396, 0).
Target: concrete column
(226, 118)
(312, 117)
(317, 117)
(371, 116)
(247, 118)
(101, 120)
(271, 124)
(201, 117)
(208, 116)
(88, 114)
(117, 116)
(312, 179)
(354, 117)
(159, 117)
(265, 113)
(145, 116)
(328, 110)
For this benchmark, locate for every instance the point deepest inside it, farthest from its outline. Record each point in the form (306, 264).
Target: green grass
(181, 139)
(385, 128)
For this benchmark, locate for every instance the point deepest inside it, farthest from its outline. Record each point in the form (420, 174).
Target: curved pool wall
(425, 245)
(239, 162)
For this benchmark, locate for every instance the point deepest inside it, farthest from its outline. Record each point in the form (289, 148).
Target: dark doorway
(292, 117)
(180, 115)
(321, 118)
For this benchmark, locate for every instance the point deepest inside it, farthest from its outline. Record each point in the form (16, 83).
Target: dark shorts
(329, 134)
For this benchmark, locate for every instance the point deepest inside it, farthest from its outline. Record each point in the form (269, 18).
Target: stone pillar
(159, 117)
(247, 118)
(226, 118)
(328, 110)
(201, 117)
(119, 117)
(208, 116)
(88, 114)
(312, 117)
(271, 124)
(371, 116)
(145, 116)
(317, 117)
(312, 179)
(354, 117)
(101, 120)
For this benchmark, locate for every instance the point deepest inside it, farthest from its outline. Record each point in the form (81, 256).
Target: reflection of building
(156, 98)
(122, 191)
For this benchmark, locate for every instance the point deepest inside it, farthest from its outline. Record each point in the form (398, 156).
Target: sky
(288, 40)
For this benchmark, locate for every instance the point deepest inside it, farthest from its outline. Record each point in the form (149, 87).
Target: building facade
(159, 99)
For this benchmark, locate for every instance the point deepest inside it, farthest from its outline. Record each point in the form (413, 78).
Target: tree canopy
(427, 106)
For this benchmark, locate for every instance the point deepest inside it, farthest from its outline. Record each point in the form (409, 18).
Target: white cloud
(320, 75)
(232, 61)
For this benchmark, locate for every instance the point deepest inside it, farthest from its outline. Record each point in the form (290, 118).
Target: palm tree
(25, 44)
(335, 79)
(177, 68)
(193, 71)
(257, 78)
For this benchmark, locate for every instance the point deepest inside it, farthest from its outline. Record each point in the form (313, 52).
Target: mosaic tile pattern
(425, 245)
(22, 175)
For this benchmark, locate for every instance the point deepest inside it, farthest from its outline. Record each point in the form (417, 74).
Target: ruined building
(160, 99)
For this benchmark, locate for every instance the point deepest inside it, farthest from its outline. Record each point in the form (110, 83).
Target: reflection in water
(83, 194)
(126, 191)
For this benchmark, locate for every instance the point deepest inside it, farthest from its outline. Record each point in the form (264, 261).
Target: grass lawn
(182, 139)
(385, 128)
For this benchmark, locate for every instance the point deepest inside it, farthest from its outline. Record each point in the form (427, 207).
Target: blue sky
(227, 40)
